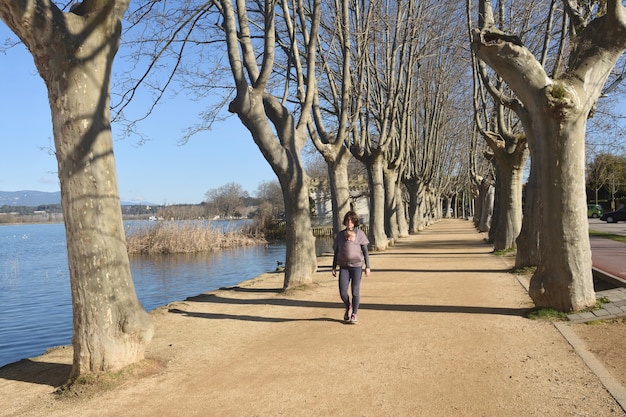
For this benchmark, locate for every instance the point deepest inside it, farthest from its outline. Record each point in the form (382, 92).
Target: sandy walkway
(441, 333)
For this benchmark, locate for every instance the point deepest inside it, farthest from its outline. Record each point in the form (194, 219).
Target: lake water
(35, 299)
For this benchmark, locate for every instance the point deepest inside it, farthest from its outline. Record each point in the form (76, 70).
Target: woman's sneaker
(346, 315)
(353, 319)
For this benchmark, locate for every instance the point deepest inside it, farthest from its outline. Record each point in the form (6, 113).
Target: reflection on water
(163, 279)
(35, 299)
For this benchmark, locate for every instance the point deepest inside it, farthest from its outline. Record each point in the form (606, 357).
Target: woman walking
(350, 253)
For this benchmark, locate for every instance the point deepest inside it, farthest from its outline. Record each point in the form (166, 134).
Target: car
(594, 210)
(614, 216)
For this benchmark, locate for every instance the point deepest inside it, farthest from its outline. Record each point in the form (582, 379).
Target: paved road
(600, 226)
(608, 256)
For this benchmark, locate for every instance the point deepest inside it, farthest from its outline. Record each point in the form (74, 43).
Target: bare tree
(276, 130)
(269, 192)
(598, 172)
(332, 104)
(510, 152)
(479, 178)
(436, 128)
(224, 201)
(383, 35)
(554, 111)
(612, 168)
(73, 53)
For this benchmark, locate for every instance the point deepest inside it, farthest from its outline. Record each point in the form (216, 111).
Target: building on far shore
(319, 191)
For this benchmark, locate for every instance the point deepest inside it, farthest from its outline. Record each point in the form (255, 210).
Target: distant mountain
(29, 198)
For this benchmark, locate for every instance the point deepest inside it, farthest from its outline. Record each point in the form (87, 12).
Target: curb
(616, 308)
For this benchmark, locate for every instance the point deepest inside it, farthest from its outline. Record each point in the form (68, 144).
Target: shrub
(185, 237)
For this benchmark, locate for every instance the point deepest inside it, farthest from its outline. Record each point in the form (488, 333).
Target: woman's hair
(352, 216)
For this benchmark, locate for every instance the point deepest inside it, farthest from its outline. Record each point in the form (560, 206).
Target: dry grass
(182, 237)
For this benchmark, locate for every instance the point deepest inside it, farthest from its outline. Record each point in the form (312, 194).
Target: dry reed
(181, 237)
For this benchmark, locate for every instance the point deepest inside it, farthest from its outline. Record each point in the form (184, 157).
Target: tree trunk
(478, 206)
(555, 113)
(414, 203)
(403, 226)
(432, 206)
(339, 188)
(563, 279)
(392, 230)
(110, 327)
(447, 209)
(509, 214)
(274, 129)
(300, 259)
(377, 236)
(487, 197)
(254, 108)
(528, 253)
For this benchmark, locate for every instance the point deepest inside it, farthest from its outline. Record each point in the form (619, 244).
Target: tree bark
(339, 188)
(392, 229)
(528, 252)
(486, 196)
(403, 225)
(558, 109)
(300, 259)
(110, 327)
(377, 236)
(509, 189)
(412, 187)
(274, 129)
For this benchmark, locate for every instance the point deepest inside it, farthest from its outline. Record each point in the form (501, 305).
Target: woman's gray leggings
(347, 273)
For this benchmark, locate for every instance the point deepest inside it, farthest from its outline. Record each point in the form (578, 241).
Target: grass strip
(612, 236)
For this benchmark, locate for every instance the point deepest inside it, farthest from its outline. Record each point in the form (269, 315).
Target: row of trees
(542, 88)
(606, 178)
(384, 82)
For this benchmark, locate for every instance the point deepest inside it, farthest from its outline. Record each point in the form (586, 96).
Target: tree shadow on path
(43, 373)
(287, 302)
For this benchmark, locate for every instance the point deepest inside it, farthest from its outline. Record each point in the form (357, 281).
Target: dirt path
(441, 333)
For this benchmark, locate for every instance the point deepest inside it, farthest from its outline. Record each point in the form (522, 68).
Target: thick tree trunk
(110, 327)
(478, 203)
(528, 253)
(431, 207)
(339, 188)
(509, 189)
(509, 214)
(412, 187)
(495, 211)
(487, 197)
(253, 108)
(300, 259)
(377, 236)
(275, 131)
(403, 225)
(447, 207)
(563, 279)
(554, 115)
(390, 177)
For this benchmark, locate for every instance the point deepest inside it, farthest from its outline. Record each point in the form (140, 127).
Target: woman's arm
(366, 256)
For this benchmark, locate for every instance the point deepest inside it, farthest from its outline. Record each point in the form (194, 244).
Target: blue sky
(160, 171)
